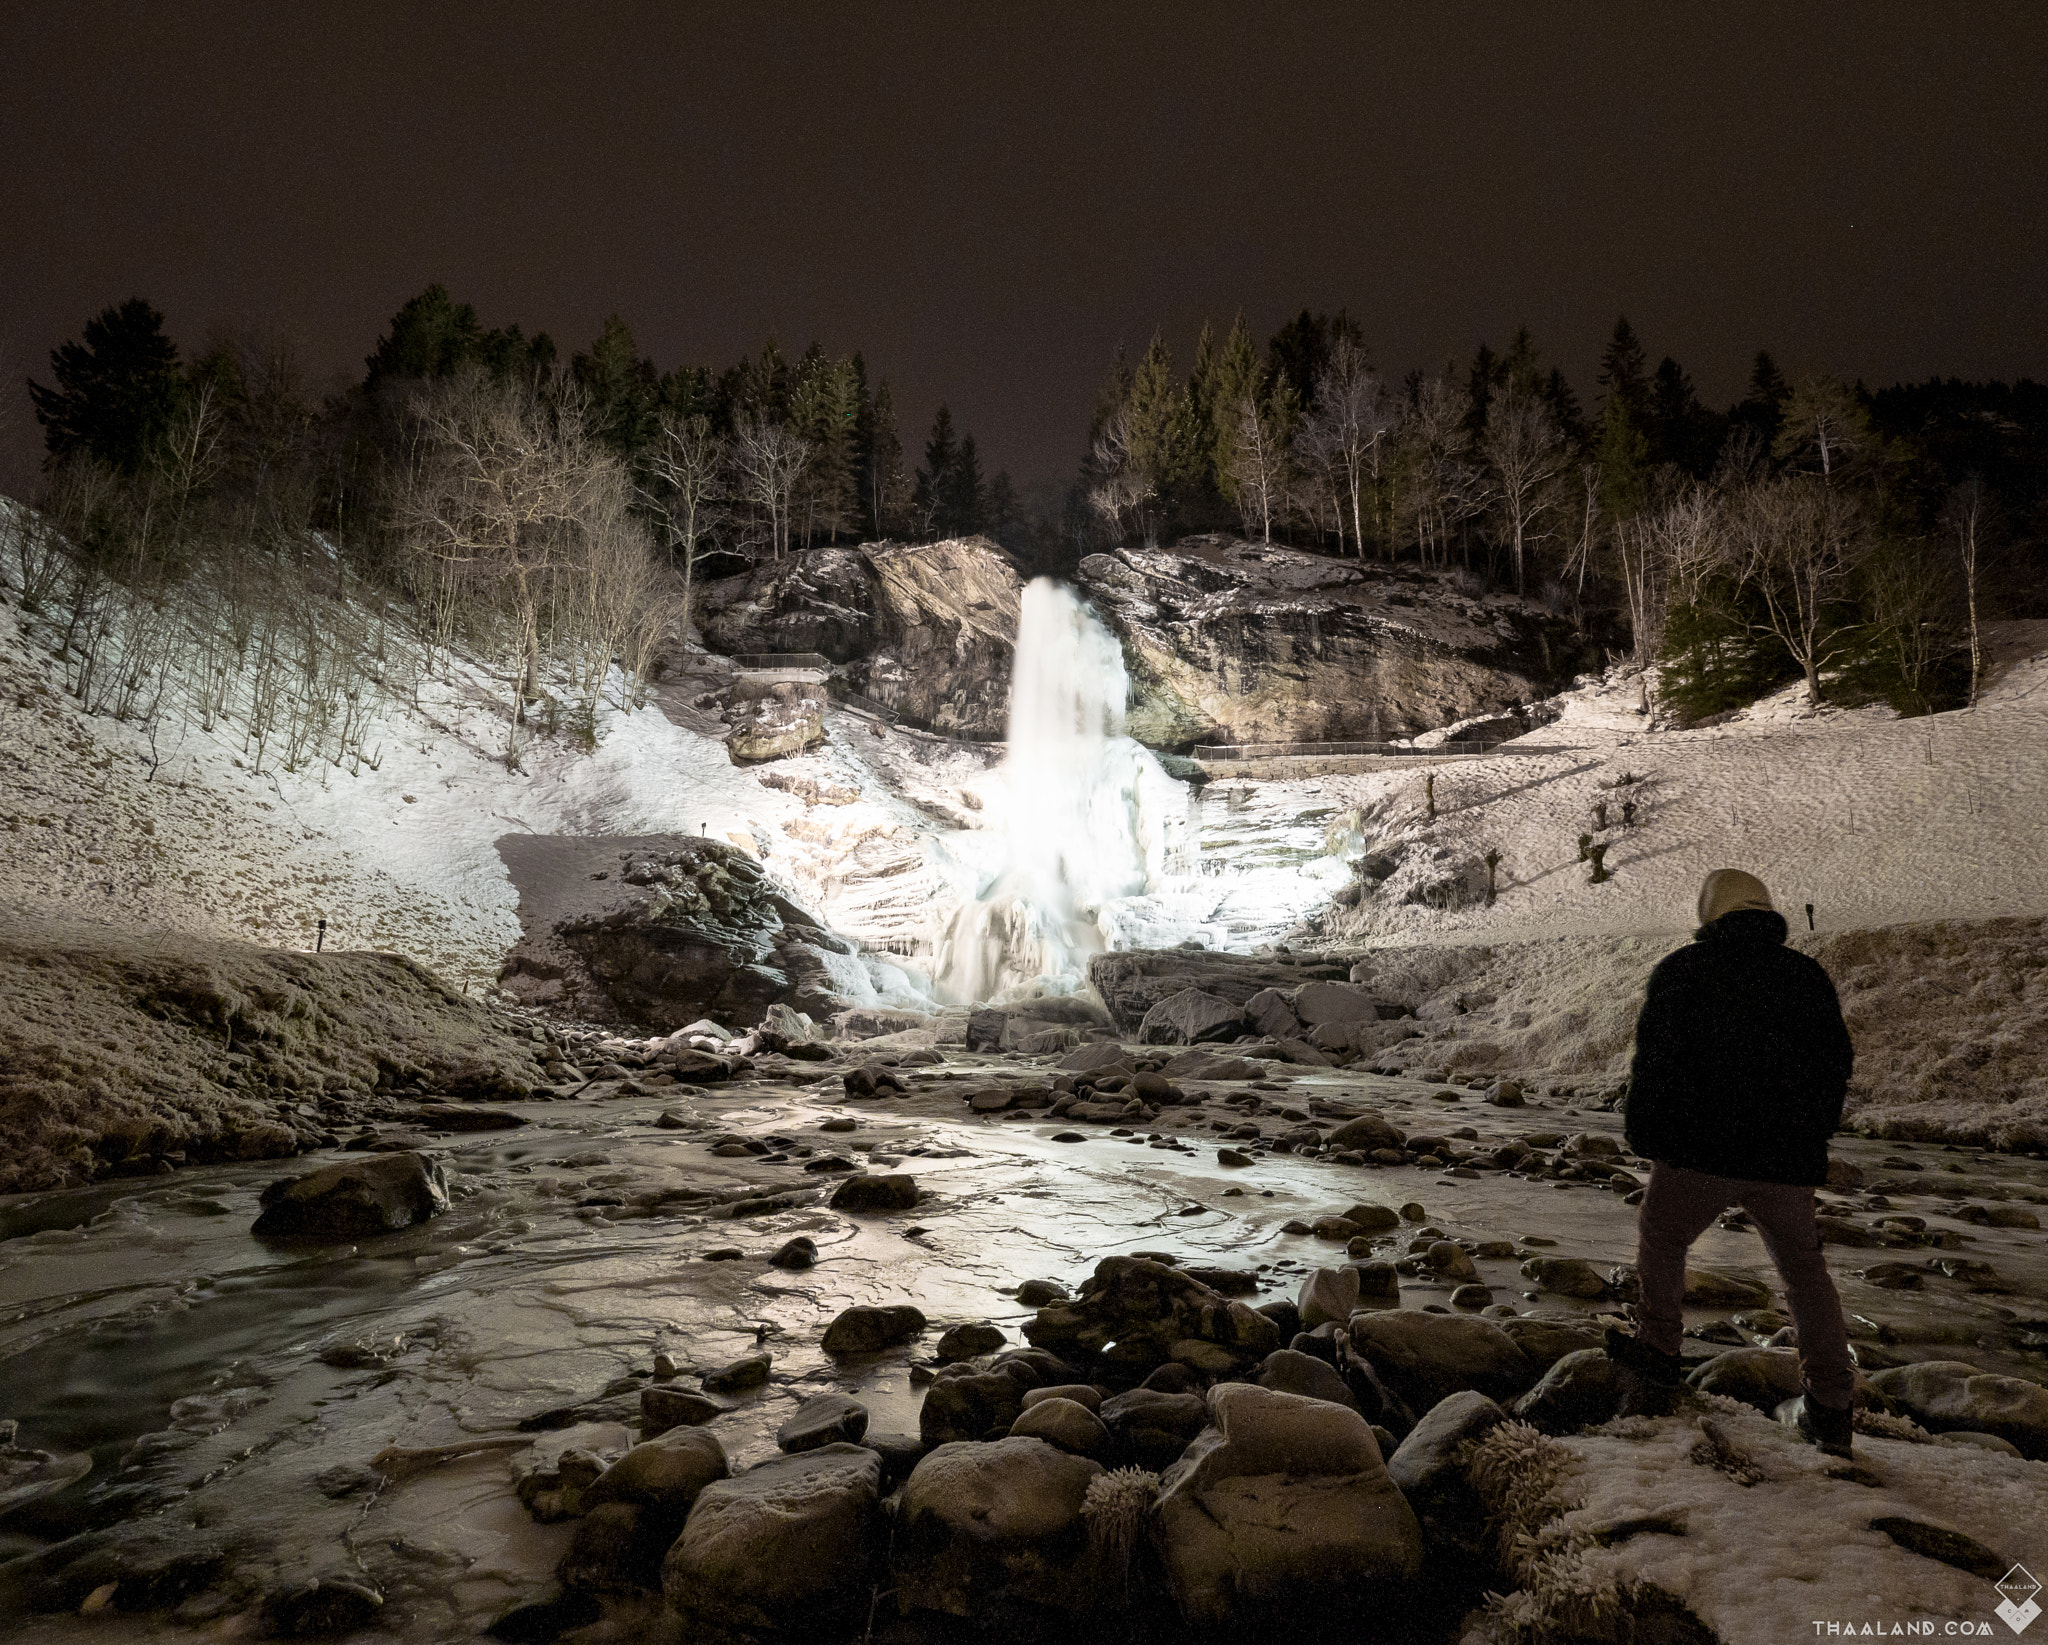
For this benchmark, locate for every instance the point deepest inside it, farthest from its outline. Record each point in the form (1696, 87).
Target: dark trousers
(1680, 1205)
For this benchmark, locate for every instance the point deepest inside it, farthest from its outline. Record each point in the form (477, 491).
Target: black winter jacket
(1741, 1057)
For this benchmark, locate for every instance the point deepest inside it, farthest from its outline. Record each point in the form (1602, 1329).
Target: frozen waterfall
(1084, 827)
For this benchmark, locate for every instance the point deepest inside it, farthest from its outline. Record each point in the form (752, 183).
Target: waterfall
(1081, 819)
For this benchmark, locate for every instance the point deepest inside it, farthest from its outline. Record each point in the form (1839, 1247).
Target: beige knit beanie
(1729, 889)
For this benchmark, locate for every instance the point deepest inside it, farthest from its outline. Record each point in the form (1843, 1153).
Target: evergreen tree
(886, 491)
(117, 390)
(1623, 453)
(931, 499)
(1163, 440)
(1488, 374)
(623, 390)
(1681, 430)
(966, 495)
(1622, 373)
(1564, 406)
(1231, 376)
(825, 409)
(432, 336)
(1763, 408)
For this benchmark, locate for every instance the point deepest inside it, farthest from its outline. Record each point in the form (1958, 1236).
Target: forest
(213, 541)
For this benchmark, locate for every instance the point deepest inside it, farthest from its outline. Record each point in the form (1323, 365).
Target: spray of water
(1082, 820)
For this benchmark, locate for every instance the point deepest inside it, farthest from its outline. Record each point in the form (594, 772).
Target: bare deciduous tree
(1122, 486)
(1527, 454)
(768, 459)
(1347, 436)
(1798, 541)
(1964, 518)
(688, 467)
(1260, 467)
(1440, 487)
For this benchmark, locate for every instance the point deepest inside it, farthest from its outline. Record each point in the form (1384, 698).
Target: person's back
(1741, 1064)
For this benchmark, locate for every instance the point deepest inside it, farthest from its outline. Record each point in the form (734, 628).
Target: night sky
(988, 200)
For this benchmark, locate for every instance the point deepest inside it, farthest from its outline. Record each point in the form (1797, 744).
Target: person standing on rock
(1741, 1062)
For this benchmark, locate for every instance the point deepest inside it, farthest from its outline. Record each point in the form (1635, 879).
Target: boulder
(986, 1530)
(1946, 1396)
(1429, 1466)
(823, 1419)
(800, 1252)
(969, 1342)
(1190, 1017)
(742, 1374)
(1717, 1288)
(1212, 1065)
(1581, 1389)
(1304, 1374)
(1328, 1294)
(1428, 1357)
(1373, 1219)
(355, 1199)
(1082, 1393)
(772, 720)
(1142, 1312)
(1282, 1510)
(1566, 1277)
(663, 1475)
(969, 1407)
(867, 1329)
(1365, 1133)
(1316, 1003)
(1548, 1340)
(1066, 1423)
(1106, 1057)
(1268, 1013)
(785, 1546)
(870, 1193)
(664, 1408)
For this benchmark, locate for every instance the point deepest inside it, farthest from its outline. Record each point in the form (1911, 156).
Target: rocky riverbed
(824, 1284)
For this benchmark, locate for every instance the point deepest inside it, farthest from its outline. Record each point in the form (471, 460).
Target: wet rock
(1081, 1393)
(1581, 1389)
(1472, 1296)
(1036, 1293)
(1427, 1357)
(1546, 1341)
(1947, 1395)
(1234, 1157)
(539, 1621)
(1760, 1377)
(1132, 981)
(969, 1408)
(968, 1342)
(866, 1329)
(1149, 1311)
(784, 1547)
(663, 1474)
(1151, 1428)
(1328, 1294)
(616, 1547)
(1283, 1509)
(1289, 1372)
(1979, 1442)
(1211, 1065)
(1505, 1094)
(1065, 1423)
(1717, 1288)
(987, 1529)
(1190, 1017)
(798, 1253)
(1566, 1277)
(868, 1193)
(899, 1453)
(1448, 1260)
(740, 1375)
(1429, 1465)
(1365, 1133)
(448, 1116)
(662, 1409)
(355, 1199)
(1939, 1543)
(1267, 1012)
(336, 1602)
(824, 1419)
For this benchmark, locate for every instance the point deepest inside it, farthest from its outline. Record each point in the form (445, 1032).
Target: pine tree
(1763, 408)
(624, 391)
(966, 500)
(930, 501)
(1623, 453)
(1232, 375)
(1622, 372)
(434, 336)
(886, 491)
(1487, 375)
(117, 390)
(1682, 431)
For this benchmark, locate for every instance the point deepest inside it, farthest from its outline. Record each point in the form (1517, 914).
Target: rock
(969, 1341)
(1147, 1310)
(1211, 1065)
(899, 1453)
(1472, 1296)
(1304, 1374)
(866, 1329)
(1373, 1219)
(1036, 1293)
(355, 1199)
(1716, 1288)
(969, 1408)
(1948, 1396)
(800, 1252)
(1132, 981)
(867, 1193)
(1236, 1158)
(1581, 1389)
(772, 720)
(1151, 1428)
(1566, 1277)
(1106, 1057)
(1949, 1547)
(1283, 1509)
(1505, 1094)
(541, 1621)
(1190, 1017)
(1065, 1423)
(823, 1419)
(1316, 1003)
(785, 1546)
(982, 1530)
(1546, 1341)
(1978, 1442)
(739, 1376)
(1427, 1357)
(1842, 1176)
(1267, 1012)
(1429, 1466)
(336, 1602)
(1081, 1393)
(1448, 1260)
(1367, 1132)
(662, 1475)
(448, 1116)
(1379, 1284)
(664, 1408)
(1328, 1294)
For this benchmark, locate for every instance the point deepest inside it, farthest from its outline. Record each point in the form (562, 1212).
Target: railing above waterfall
(888, 715)
(777, 662)
(1266, 751)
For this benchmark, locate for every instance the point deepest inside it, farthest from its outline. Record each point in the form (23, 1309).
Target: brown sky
(987, 200)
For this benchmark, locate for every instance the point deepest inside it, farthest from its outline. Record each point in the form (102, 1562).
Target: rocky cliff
(1233, 642)
(928, 628)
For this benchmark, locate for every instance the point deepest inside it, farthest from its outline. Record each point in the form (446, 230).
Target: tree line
(469, 486)
(1812, 530)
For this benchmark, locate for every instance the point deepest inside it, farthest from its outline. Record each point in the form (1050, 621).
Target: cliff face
(928, 628)
(1234, 642)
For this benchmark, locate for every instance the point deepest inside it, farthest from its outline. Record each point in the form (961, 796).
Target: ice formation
(1084, 829)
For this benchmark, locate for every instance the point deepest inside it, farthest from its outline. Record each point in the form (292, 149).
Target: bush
(1714, 661)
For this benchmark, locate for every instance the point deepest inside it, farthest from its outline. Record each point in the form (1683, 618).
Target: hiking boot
(1660, 1370)
(1824, 1426)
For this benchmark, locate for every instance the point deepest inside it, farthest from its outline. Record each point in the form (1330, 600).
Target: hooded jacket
(1742, 1058)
